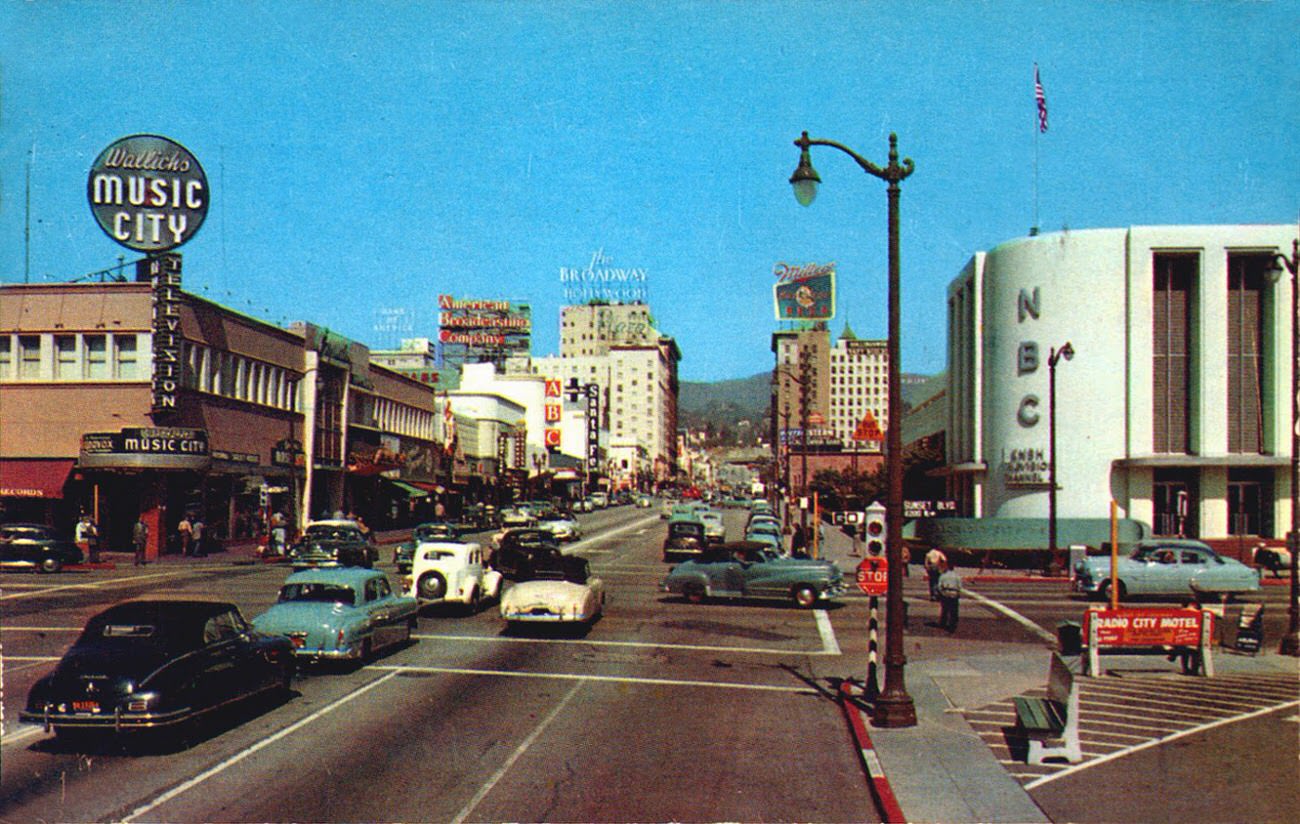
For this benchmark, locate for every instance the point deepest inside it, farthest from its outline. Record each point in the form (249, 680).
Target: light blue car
(341, 614)
(1169, 566)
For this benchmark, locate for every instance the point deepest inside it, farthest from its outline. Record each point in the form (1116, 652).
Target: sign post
(873, 579)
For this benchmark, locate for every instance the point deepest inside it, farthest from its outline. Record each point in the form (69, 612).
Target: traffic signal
(875, 529)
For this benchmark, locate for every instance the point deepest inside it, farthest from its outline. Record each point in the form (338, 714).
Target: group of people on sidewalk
(945, 587)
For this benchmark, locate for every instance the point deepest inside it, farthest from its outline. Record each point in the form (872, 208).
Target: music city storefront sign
(148, 193)
(146, 448)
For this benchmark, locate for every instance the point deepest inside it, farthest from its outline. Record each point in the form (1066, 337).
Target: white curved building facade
(1176, 403)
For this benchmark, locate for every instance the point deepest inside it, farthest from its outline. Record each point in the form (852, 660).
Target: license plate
(85, 706)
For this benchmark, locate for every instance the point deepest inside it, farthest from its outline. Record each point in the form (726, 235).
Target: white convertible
(452, 572)
(561, 590)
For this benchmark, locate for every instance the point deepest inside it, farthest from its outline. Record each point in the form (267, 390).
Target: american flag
(1042, 100)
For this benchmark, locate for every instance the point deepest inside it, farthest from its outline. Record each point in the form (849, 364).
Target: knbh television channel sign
(148, 193)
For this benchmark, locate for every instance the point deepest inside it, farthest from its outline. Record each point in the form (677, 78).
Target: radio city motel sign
(150, 194)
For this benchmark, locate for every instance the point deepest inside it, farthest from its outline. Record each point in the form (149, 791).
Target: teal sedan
(1166, 566)
(747, 569)
(342, 614)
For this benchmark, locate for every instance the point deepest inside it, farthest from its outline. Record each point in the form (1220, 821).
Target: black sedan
(404, 554)
(518, 550)
(154, 664)
(333, 543)
(36, 546)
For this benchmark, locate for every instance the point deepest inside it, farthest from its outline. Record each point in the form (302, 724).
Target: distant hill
(725, 404)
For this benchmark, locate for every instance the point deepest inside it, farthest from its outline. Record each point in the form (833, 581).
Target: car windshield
(438, 555)
(430, 532)
(332, 533)
(317, 593)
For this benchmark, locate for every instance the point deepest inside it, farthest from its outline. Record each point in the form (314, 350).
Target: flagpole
(1033, 229)
(1040, 125)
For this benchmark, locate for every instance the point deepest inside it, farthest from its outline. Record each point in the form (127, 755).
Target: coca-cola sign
(148, 192)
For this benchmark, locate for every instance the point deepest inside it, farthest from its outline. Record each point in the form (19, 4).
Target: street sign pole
(873, 579)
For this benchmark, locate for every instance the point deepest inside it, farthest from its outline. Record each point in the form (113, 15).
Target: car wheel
(367, 651)
(1104, 591)
(51, 564)
(694, 593)
(804, 595)
(432, 585)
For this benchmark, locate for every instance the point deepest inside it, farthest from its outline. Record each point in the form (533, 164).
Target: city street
(664, 711)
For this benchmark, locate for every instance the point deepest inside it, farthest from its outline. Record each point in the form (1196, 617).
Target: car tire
(432, 585)
(694, 594)
(1104, 591)
(804, 596)
(51, 565)
(367, 651)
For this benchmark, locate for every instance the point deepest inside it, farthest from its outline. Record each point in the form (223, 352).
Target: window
(125, 364)
(96, 347)
(29, 356)
(6, 357)
(1245, 353)
(1171, 303)
(65, 357)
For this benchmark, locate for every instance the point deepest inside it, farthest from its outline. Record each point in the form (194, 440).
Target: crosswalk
(1122, 714)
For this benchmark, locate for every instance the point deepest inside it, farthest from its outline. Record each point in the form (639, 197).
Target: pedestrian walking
(87, 537)
(185, 530)
(933, 559)
(140, 538)
(196, 536)
(949, 597)
(798, 541)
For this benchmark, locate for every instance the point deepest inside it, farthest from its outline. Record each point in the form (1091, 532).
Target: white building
(592, 328)
(1176, 403)
(859, 384)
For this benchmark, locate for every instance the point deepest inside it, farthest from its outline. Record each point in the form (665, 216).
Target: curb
(88, 565)
(881, 790)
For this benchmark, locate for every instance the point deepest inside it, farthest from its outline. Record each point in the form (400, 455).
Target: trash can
(1250, 628)
(1069, 635)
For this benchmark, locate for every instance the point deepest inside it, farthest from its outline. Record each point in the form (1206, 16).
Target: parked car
(714, 530)
(583, 505)
(563, 527)
(432, 531)
(333, 543)
(346, 613)
(685, 537)
(560, 589)
(1171, 566)
(516, 549)
(517, 517)
(770, 540)
(644, 502)
(452, 572)
(748, 569)
(36, 546)
(156, 664)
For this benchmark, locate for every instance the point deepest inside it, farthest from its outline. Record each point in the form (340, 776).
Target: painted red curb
(88, 565)
(890, 810)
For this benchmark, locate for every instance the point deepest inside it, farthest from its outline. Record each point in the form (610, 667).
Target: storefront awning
(427, 487)
(407, 490)
(34, 478)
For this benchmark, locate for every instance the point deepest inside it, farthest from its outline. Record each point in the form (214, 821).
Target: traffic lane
(1244, 771)
(35, 630)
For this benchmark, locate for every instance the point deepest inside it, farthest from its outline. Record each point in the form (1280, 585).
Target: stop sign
(873, 575)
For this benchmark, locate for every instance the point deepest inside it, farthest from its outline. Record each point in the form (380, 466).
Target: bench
(1051, 724)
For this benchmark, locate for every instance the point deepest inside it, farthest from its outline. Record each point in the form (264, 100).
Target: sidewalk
(940, 770)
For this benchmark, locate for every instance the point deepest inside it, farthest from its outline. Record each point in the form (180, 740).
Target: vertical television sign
(164, 273)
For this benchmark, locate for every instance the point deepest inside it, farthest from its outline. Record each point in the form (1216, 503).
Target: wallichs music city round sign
(148, 192)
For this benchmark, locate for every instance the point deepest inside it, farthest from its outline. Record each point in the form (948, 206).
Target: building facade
(859, 390)
(588, 329)
(1175, 404)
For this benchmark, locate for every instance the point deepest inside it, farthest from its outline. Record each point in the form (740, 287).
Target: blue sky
(366, 157)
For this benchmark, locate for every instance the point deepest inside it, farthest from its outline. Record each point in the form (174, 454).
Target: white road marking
(41, 629)
(22, 734)
(602, 536)
(515, 756)
(612, 679)
(1156, 742)
(829, 645)
(1013, 615)
(265, 742)
(30, 658)
(633, 644)
(97, 585)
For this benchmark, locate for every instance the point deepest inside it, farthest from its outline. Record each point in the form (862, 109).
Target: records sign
(148, 193)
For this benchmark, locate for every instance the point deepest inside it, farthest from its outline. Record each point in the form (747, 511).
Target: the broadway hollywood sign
(148, 193)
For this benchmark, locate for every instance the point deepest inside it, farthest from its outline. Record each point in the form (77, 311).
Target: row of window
(235, 376)
(74, 357)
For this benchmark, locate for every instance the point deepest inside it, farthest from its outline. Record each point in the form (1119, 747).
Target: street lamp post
(1291, 640)
(1067, 352)
(894, 707)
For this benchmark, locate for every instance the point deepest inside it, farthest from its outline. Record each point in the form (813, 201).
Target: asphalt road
(663, 711)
